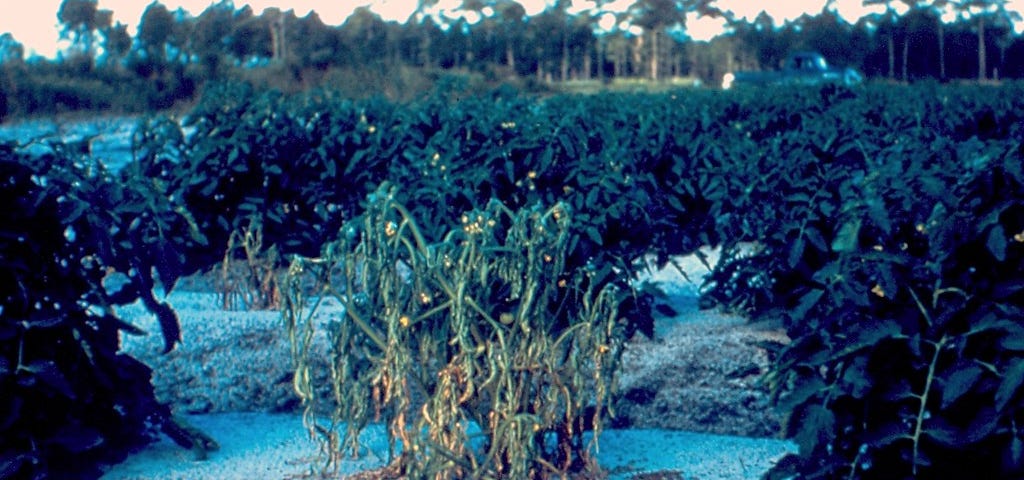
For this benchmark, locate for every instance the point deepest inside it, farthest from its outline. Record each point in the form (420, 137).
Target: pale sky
(34, 22)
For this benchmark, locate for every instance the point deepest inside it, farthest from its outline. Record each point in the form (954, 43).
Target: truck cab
(799, 68)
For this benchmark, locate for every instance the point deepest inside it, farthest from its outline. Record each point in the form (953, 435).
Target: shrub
(906, 360)
(75, 242)
(69, 399)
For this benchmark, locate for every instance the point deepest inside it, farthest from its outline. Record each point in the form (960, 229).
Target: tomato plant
(483, 352)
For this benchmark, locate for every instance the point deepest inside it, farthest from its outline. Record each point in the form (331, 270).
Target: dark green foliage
(46, 89)
(882, 225)
(889, 248)
(907, 336)
(300, 166)
(71, 400)
(836, 187)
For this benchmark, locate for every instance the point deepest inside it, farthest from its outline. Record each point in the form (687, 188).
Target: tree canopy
(174, 52)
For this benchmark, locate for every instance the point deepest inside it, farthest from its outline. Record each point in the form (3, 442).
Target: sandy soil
(692, 404)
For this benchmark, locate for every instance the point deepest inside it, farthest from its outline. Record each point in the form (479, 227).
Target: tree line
(173, 53)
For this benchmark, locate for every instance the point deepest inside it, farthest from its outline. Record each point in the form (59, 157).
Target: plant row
(855, 199)
(825, 181)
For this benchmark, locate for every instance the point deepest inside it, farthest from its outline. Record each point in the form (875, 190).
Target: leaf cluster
(75, 242)
(888, 244)
(839, 190)
(834, 187)
(904, 361)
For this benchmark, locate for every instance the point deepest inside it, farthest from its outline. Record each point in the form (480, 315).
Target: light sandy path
(276, 446)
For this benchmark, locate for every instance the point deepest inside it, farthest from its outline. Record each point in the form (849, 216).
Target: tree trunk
(637, 55)
(982, 67)
(510, 57)
(892, 56)
(587, 64)
(565, 57)
(906, 55)
(1002, 58)
(654, 55)
(942, 50)
(278, 46)
(425, 49)
(614, 52)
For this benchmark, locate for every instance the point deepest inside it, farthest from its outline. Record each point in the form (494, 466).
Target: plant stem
(924, 402)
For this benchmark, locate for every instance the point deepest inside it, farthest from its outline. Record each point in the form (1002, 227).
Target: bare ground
(702, 372)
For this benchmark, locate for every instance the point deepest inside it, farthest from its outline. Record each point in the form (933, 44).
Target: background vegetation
(174, 55)
(888, 220)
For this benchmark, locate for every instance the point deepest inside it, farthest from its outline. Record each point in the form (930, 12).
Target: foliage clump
(907, 354)
(885, 226)
(75, 242)
(888, 245)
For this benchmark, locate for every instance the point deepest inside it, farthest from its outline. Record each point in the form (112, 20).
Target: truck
(799, 68)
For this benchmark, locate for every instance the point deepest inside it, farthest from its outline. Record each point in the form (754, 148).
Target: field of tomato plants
(482, 243)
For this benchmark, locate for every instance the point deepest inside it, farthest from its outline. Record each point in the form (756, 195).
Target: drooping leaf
(796, 252)
(816, 239)
(857, 381)
(985, 421)
(1008, 289)
(807, 302)
(944, 433)
(676, 203)
(11, 464)
(869, 335)
(886, 280)
(49, 373)
(996, 242)
(959, 381)
(1012, 380)
(1013, 343)
(70, 211)
(77, 438)
(888, 434)
(847, 238)
(996, 322)
(879, 215)
(1015, 455)
(816, 425)
(807, 388)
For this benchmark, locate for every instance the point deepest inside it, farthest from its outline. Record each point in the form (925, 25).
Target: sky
(33, 23)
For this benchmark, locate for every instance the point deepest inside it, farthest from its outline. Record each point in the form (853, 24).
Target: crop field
(484, 250)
